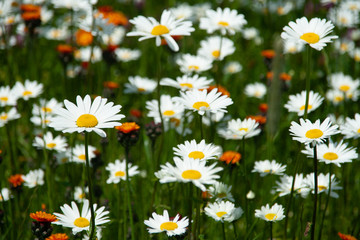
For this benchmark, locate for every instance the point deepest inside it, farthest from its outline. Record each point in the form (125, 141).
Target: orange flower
(111, 85)
(263, 107)
(221, 89)
(128, 127)
(136, 113)
(259, 118)
(269, 75)
(268, 53)
(30, 12)
(64, 48)
(285, 77)
(205, 195)
(43, 217)
(346, 237)
(83, 38)
(58, 236)
(28, 16)
(230, 156)
(16, 180)
(116, 18)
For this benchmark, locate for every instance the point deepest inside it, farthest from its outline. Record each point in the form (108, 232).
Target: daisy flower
(223, 211)
(351, 128)
(58, 143)
(344, 83)
(87, 116)
(323, 184)
(273, 214)
(257, 90)
(31, 89)
(83, 54)
(193, 64)
(240, 129)
(313, 32)
(296, 103)
(72, 218)
(225, 20)
(190, 170)
(5, 117)
(5, 194)
(43, 120)
(183, 11)
(80, 194)
(34, 178)
(170, 108)
(335, 96)
(343, 18)
(354, 53)
(293, 46)
(266, 167)
(200, 151)
(202, 101)
(186, 82)
(78, 153)
(232, 67)
(127, 55)
(162, 223)
(221, 191)
(46, 107)
(285, 184)
(167, 27)
(307, 132)
(332, 153)
(344, 46)
(250, 33)
(216, 48)
(7, 98)
(118, 171)
(141, 85)
(115, 37)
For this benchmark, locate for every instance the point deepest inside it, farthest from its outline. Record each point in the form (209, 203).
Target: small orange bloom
(285, 77)
(346, 237)
(111, 85)
(117, 18)
(263, 107)
(259, 118)
(269, 75)
(16, 180)
(205, 195)
(128, 127)
(268, 53)
(136, 113)
(43, 217)
(28, 16)
(230, 157)
(30, 8)
(83, 38)
(58, 236)
(221, 89)
(64, 48)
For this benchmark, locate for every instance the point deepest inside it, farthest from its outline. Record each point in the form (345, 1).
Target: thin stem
(271, 233)
(12, 161)
(223, 230)
(327, 202)
(196, 231)
(127, 150)
(246, 185)
(234, 228)
(307, 83)
(190, 208)
(315, 196)
(92, 216)
(119, 210)
(201, 127)
(48, 177)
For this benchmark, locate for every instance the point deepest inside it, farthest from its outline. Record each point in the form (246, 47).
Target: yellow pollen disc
(200, 104)
(221, 195)
(188, 85)
(159, 30)
(344, 88)
(224, 24)
(168, 113)
(87, 120)
(314, 133)
(343, 20)
(81, 222)
(322, 187)
(280, 10)
(4, 117)
(82, 196)
(193, 67)
(310, 38)
(339, 99)
(141, 89)
(176, 121)
(46, 121)
(271, 216)
(82, 157)
(196, 155)
(1, 198)
(120, 174)
(169, 226)
(303, 107)
(344, 47)
(267, 170)
(191, 174)
(51, 145)
(46, 109)
(216, 53)
(358, 130)
(220, 214)
(4, 99)
(330, 156)
(26, 93)
(243, 129)
(357, 58)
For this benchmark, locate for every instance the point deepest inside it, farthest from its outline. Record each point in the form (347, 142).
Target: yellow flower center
(159, 30)
(120, 174)
(330, 156)
(81, 222)
(344, 88)
(271, 216)
(87, 120)
(27, 93)
(200, 104)
(51, 145)
(46, 109)
(82, 157)
(188, 85)
(141, 89)
(220, 214)
(196, 155)
(222, 23)
(82, 196)
(303, 107)
(280, 10)
(4, 117)
(191, 174)
(175, 121)
(243, 129)
(193, 67)
(322, 187)
(4, 99)
(358, 130)
(168, 113)
(168, 226)
(267, 170)
(339, 98)
(314, 133)
(216, 53)
(221, 195)
(343, 20)
(344, 47)
(310, 38)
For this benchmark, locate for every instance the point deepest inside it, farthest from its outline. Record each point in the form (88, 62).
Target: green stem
(271, 233)
(307, 83)
(12, 161)
(234, 228)
(201, 127)
(127, 150)
(48, 178)
(223, 230)
(92, 216)
(246, 185)
(326, 204)
(315, 196)
(190, 208)
(119, 210)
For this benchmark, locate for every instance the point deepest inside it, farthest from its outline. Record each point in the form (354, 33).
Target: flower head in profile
(163, 223)
(268, 167)
(273, 214)
(230, 157)
(240, 129)
(57, 143)
(284, 186)
(185, 82)
(193, 64)
(139, 84)
(34, 178)
(167, 28)
(58, 236)
(220, 191)
(296, 102)
(351, 127)
(223, 211)
(323, 184)
(5, 117)
(30, 89)
(314, 32)
(200, 151)
(41, 216)
(87, 116)
(118, 171)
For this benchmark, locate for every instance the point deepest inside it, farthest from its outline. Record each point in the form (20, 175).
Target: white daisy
(257, 90)
(87, 116)
(162, 223)
(5, 194)
(5, 117)
(285, 184)
(43, 120)
(221, 191)
(343, 17)
(280, 8)
(250, 33)
(118, 171)
(46, 107)
(141, 85)
(127, 55)
(54, 33)
(80, 194)
(34, 178)
(232, 67)
(344, 45)
(72, 218)
(352, 5)
(225, 20)
(216, 48)
(292, 46)
(200, 151)
(58, 143)
(202, 101)
(78, 153)
(7, 98)
(266, 167)
(351, 128)
(313, 33)
(223, 211)
(170, 108)
(273, 214)
(31, 89)
(307, 132)
(83, 54)
(183, 11)
(240, 129)
(335, 96)
(296, 103)
(186, 82)
(114, 38)
(355, 54)
(323, 184)
(193, 64)
(166, 28)
(344, 83)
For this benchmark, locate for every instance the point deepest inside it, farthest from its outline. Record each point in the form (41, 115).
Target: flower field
(179, 119)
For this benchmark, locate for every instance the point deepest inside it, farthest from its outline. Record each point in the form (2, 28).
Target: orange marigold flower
(285, 77)
(263, 107)
(230, 157)
(136, 113)
(28, 16)
(16, 180)
(346, 237)
(111, 85)
(128, 127)
(58, 236)
(221, 89)
(105, 9)
(269, 75)
(30, 8)
(64, 48)
(83, 38)
(116, 18)
(259, 118)
(41, 216)
(268, 53)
